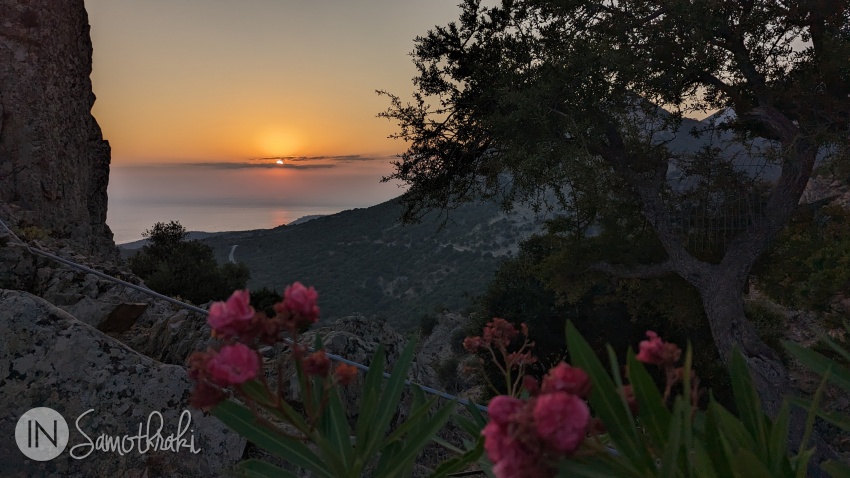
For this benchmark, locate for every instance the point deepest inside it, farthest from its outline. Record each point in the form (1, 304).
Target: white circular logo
(41, 434)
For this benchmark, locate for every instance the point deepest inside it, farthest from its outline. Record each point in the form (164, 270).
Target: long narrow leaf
(414, 443)
(335, 425)
(670, 456)
(747, 465)
(838, 419)
(390, 397)
(459, 463)
(748, 403)
(834, 346)
(605, 400)
(653, 414)
(819, 364)
(778, 442)
(367, 438)
(703, 466)
(259, 469)
(242, 421)
(836, 469)
(715, 449)
(257, 392)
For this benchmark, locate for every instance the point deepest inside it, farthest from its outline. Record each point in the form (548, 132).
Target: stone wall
(54, 162)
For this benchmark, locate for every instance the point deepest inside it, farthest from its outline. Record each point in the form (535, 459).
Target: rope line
(70, 263)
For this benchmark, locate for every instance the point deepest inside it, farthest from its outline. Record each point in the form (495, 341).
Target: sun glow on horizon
(275, 141)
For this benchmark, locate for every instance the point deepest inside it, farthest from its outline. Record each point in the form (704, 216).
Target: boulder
(50, 359)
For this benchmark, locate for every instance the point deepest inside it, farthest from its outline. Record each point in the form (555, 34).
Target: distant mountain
(304, 219)
(364, 261)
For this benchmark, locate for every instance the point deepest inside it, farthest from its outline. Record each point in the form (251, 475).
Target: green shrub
(173, 266)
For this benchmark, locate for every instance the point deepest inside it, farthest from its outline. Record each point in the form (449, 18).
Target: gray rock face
(51, 359)
(54, 162)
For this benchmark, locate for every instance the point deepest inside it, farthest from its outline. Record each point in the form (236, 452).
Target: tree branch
(640, 271)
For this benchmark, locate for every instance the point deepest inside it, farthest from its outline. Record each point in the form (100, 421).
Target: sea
(129, 220)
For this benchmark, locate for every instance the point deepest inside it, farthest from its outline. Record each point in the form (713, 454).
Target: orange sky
(228, 80)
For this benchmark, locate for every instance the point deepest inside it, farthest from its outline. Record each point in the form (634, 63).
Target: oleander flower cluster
(526, 438)
(495, 343)
(241, 329)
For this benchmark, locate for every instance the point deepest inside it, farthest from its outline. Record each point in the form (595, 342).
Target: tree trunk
(723, 301)
(722, 297)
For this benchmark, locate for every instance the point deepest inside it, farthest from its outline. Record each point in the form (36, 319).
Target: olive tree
(590, 100)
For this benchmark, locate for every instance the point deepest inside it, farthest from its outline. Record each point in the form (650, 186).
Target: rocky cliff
(54, 162)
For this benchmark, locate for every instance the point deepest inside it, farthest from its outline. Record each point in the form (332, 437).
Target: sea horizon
(128, 220)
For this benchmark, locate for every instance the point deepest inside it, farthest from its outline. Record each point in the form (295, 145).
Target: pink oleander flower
(518, 462)
(628, 393)
(657, 352)
(562, 420)
(345, 373)
(473, 344)
(510, 457)
(564, 378)
(233, 316)
(499, 332)
(531, 384)
(502, 407)
(316, 364)
(233, 365)
(496, 440)
(206, 395)
(300, 302)
(516, 359)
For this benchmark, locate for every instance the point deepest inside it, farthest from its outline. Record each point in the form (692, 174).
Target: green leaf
(836, 469)
(653, 414)
(747, 465)
(367, 438)
(732, 430)
(670, 455)
(415, 442)
(702, 465)
(599, 466)
(469, 426)
(259, 469)
(777, 445)
(819, 364)
(242, 421)
(459, 463)
(257, 391)
(748, 403)
(607, 401)
(414, 420)
(335, 428)
(715, 448)
(389, 399)
(840, 420)
(834, 346)
(477, 414)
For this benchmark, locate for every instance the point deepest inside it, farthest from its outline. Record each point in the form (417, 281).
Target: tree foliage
(171, 265)
(567, 92)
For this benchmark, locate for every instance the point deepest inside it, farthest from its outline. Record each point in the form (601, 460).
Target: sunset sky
(193, 94)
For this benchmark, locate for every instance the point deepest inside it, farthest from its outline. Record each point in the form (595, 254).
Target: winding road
(232, 250)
